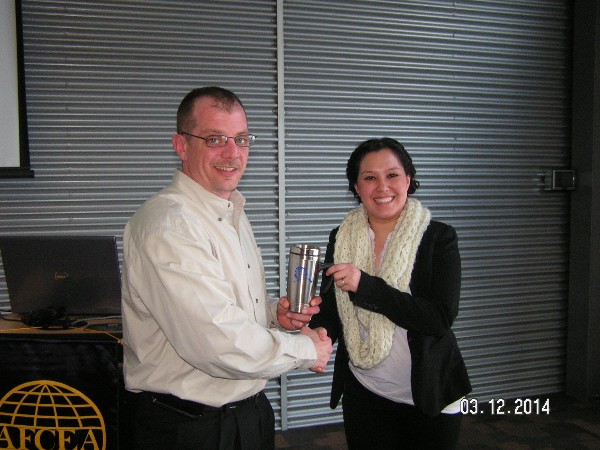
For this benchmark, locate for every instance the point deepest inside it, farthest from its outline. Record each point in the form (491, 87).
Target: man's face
(219, 169)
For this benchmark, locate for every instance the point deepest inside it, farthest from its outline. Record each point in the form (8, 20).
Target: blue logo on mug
(301, 273)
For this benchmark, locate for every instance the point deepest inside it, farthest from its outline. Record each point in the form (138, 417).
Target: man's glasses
(243, 140)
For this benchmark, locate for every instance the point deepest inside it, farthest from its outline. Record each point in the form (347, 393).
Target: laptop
(77, 273)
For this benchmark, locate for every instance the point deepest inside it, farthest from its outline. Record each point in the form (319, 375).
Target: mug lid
(305, 249)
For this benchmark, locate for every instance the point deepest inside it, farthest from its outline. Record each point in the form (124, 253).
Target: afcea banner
(59, 393)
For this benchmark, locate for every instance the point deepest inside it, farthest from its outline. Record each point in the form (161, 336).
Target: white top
(195, 307)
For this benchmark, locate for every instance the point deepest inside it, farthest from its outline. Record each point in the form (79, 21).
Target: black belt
(193, 409)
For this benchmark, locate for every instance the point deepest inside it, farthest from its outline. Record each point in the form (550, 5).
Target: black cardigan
(439, 376)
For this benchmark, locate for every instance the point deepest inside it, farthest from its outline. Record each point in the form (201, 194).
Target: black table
(59, 388)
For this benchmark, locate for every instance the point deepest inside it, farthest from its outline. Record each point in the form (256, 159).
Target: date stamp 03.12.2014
(500, 406)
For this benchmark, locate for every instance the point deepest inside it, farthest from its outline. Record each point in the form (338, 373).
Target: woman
(397, 287)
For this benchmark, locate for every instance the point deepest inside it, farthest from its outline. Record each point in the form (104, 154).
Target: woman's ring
(343, 281)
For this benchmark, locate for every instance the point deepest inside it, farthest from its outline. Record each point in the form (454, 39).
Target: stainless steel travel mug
(303, 272)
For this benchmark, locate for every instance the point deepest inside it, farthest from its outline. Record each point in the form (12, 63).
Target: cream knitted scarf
(353, 244)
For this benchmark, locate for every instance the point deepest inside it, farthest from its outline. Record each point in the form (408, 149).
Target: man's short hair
(225, 99)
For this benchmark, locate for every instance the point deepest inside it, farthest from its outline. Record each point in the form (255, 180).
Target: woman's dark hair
(375, 145)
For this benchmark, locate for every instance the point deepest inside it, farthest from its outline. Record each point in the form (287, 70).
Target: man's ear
(180, 146)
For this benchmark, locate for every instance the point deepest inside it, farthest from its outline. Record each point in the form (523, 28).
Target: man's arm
(194, 305)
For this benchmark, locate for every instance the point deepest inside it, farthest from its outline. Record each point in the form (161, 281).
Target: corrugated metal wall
(104, 79)
(477, 91)
(479, 94)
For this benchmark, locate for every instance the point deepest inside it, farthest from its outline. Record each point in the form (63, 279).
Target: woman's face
(382, 186)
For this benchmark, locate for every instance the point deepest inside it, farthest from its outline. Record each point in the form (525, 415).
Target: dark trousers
(166, 422)
(374, 422)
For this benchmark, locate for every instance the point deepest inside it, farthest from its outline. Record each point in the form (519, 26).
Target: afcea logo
(47, 415)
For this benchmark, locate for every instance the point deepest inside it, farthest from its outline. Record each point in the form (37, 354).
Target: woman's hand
(346, 276)
(295, 321)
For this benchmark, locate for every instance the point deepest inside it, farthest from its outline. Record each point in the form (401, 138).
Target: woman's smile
(382, 185)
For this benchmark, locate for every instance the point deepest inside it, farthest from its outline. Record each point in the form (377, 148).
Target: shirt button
(248, 266)
(220, 219)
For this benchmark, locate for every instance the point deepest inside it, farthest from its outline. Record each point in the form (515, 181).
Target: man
(200, 336)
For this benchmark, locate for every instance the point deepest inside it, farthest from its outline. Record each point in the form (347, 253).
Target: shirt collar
(229, 210)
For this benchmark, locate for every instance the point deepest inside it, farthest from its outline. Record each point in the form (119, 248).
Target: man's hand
(322, 344)
(294, 321)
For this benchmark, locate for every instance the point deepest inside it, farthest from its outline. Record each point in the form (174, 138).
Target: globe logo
(44, 415)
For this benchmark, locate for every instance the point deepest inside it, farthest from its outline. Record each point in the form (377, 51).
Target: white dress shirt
(197, 320)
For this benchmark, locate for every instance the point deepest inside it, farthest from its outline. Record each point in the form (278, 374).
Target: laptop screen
(78, 273)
